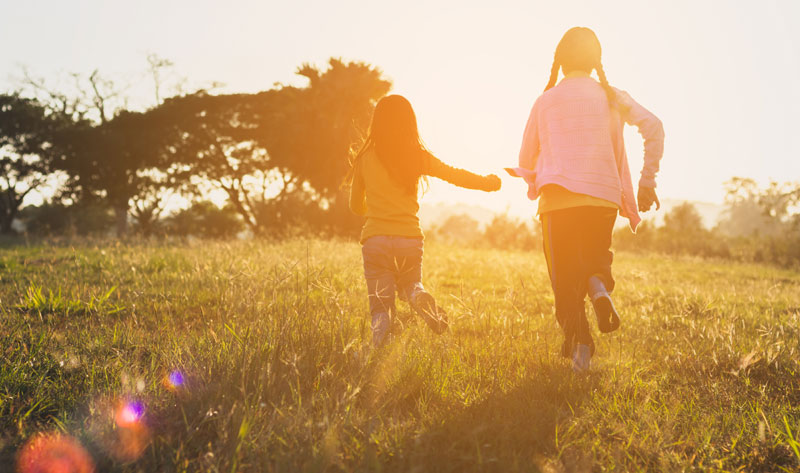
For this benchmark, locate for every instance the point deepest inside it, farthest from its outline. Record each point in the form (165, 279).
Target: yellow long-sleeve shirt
(554, 197)
(390, 209)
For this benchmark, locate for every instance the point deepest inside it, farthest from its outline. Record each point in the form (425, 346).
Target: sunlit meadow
(255, 356)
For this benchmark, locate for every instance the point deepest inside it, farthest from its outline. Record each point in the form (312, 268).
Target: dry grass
(272, 340)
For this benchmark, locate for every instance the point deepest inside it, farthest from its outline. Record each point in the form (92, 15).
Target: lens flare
(129, 414)
(54, 453)
(131, 436)
(175, 379)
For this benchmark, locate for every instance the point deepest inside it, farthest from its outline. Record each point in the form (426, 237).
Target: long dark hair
(394, 135)
(579, 50)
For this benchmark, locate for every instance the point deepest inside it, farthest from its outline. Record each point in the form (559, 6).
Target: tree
(505, 232)
(683, 232)
(111, 153)
(751, 211)
(214, 140)
(779, 199)
(460, 228)
(157, 67)
(25, 159)
(684, 219)
(126, 161)
(328, 118)
(57, 218)
(280, 155)
(205, 219)
(106, 160)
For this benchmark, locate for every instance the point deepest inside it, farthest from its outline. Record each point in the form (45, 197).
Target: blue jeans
(392, 264)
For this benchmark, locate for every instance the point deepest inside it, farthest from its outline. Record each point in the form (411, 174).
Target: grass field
(254, 356)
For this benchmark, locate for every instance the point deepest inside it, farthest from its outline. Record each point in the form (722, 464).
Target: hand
(493, 183)
(646, 197)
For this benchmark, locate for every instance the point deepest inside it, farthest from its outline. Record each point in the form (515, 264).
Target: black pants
(577, 244)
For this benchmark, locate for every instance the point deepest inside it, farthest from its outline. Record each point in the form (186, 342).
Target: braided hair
(553, 73)
(601, 74)
(579, 50)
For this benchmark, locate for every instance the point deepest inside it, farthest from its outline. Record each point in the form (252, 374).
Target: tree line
(276, 159)
(758, 224)
(277, 156)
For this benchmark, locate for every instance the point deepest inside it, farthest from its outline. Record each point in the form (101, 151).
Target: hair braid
(601, 74)
(553, 74)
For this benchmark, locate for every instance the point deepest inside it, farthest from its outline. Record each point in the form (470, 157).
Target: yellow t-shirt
(554, 197)
(390, 209)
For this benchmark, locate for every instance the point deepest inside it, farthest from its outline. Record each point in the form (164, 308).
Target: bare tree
(54, 98)
(157, 67)
(93, 97)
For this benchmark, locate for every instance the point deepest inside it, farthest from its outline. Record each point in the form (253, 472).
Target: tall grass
(272, 340)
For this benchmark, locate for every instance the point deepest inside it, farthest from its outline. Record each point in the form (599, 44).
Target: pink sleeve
(530, 141)
(652, 131)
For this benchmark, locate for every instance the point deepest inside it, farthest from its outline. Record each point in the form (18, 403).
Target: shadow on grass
(514, 430)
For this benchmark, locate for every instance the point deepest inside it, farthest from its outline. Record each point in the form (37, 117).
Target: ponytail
(553, 74)
(579, 49)
(612, 96)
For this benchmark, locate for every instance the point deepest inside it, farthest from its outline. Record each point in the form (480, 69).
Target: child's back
(573, 158)
(384, 188)
(389, 207)
(574, 139)
(576, 146)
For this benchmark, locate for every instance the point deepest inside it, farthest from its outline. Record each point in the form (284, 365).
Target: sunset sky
(722, 75)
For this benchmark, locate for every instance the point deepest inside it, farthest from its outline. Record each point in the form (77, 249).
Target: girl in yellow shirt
(384, 179)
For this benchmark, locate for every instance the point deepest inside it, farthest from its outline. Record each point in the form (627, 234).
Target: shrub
(509, 233)
(53, 219)
(460, 229)
(205, 219)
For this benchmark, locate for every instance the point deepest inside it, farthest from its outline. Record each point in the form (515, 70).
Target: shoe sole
(434, 316)
(607, 316)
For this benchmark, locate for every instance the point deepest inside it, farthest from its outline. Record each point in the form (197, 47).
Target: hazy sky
(722, 75)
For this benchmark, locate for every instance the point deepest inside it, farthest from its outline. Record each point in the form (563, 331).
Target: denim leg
(379, 273)
(407, 254)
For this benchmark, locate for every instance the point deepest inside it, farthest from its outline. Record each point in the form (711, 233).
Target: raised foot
(607, 315)
(425, 305)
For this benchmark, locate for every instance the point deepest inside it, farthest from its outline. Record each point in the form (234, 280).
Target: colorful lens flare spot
(130, 413)
(175, 379)
(131, 437)
(54, 453)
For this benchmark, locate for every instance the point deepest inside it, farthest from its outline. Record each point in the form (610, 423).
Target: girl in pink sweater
(573, 159)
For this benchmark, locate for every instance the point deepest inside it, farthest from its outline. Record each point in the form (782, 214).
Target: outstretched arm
(652, 132)
(358, 194)
(461, 177)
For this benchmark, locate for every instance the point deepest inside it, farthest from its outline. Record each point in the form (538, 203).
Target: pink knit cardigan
(574, 139)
